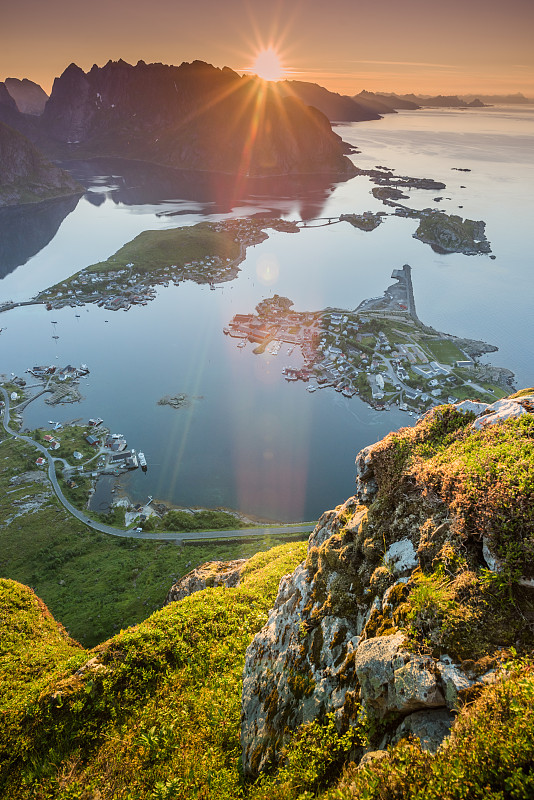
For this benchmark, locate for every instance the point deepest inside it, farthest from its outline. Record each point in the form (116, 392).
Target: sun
(267, 65)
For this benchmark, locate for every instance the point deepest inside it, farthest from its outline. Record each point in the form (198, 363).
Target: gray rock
(402, 556)
(394, 680)
(430, 727)
(212, 573)
(453, 680)
(371, 757)
(366, 486)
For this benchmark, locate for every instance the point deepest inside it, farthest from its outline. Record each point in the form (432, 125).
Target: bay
(249, 440)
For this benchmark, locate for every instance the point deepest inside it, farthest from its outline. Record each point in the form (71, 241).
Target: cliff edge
(394, 662)
(411, 591)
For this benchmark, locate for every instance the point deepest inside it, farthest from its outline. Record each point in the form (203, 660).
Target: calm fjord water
(249, 440)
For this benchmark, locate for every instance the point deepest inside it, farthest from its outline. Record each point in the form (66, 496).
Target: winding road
(182, 536)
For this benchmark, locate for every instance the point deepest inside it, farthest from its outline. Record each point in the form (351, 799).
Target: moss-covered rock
(396, 599)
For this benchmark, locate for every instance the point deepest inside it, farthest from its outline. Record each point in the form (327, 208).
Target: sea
(247, 439)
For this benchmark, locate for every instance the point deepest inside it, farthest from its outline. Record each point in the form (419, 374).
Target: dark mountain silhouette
(194, 116)
(29, 97)
(386, 101)
(337, 107)
(442, 101)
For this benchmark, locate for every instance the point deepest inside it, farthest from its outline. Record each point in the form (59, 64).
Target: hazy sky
(446, 46)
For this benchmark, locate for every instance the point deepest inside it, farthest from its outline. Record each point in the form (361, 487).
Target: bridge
(322, 221)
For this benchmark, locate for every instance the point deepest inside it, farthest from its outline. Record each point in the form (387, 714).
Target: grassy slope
(157, 714)
(95, 584)
(155, 250)
(160, 705)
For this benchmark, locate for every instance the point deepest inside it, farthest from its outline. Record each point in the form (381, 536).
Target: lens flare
(267, 269)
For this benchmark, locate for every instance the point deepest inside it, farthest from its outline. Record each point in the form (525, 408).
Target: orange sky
(451, 46)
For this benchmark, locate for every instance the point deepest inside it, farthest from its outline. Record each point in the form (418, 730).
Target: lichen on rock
(396, 612)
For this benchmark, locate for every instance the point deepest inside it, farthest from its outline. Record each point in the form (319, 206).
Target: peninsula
(380, 351)
(206, 253)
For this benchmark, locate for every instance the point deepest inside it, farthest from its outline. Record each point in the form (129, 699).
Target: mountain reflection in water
(139, 183)
(25, 230)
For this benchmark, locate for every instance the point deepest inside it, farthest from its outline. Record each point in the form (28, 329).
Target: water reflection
(25, 230)
(135, 183)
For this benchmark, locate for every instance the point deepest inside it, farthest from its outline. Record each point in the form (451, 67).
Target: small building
(77, 455)
(91, 440)
(425, 370)
(40, 461)
(465, 364)
(440, 369)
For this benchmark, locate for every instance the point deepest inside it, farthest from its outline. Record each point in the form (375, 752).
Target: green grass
(203, 520)
(157, 715)
(492, 394)
(444, 351)
(71, 438)
(95, 584)
(32, 643)
(488, 480)
(153, 251)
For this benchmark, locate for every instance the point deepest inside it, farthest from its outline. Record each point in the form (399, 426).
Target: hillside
(391, 101)
(194, 116)
(26, 176)
(395, 662)
(29, 96)
(337, 107)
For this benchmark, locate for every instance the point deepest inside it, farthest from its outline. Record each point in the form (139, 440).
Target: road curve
(182, 536)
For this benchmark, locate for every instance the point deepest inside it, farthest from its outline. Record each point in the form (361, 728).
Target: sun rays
(268, 66)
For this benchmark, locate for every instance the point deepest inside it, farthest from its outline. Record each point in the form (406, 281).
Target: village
(117, 286)
(92, 445)
(381, 351)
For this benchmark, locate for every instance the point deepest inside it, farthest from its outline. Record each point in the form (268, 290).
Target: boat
(242, 343)
(311, 388)
(142, 461)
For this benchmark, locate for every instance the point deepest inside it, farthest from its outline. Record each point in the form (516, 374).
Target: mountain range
(194, 116)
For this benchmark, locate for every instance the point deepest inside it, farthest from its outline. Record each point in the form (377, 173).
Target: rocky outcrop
(26, 176)
(210, 574)
(193, 117)
(387, 619)
(29, 96)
